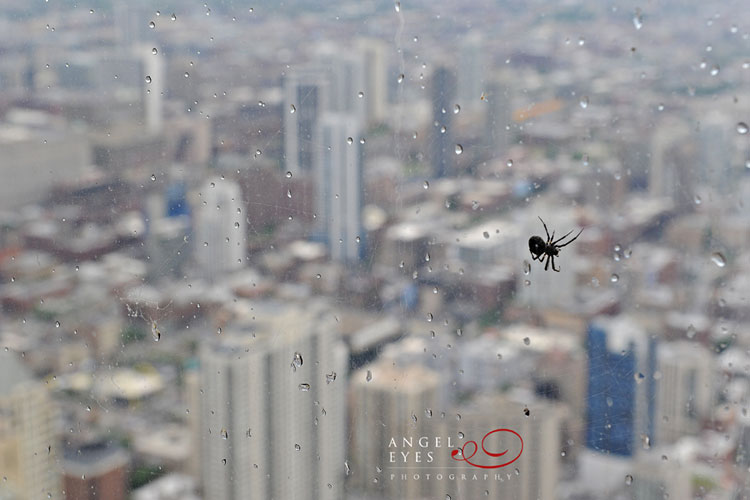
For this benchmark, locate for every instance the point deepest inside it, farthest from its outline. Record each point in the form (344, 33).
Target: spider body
(548, 249)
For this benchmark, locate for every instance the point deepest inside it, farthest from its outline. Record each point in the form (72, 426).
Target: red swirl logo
(463, 457)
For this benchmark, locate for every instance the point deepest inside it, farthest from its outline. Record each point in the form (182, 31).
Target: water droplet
(628, 479)
(429, 317)
(742, 128)
(718, 259)
(224, 434)
(584, 102)
(526, 267)
(443, 129)
(714, 70)
(258, 152)
(288, 175)
(427, 257)
(362, 140)
(486, 235)
(459, 149)
(330, 377)
(526, 411)
(637, 19)
(349, 140)
(174, 18)
(690, 333)
(304, 387)
(401, 78)
(368, 377)
(614, 278)
(358, 239)
(509, 163)
(426, 185)
(297, 447)
(397, 6)
(697, 199)
(154, 51)
(187, 75)
(360, 94)
(526, 340)
(639, 377)
(288, 193)
(152, 25)
(456, 109)
(292, 108)
(296, 361)
(57, 324)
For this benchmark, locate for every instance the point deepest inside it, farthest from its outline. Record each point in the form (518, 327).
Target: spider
(550, 249)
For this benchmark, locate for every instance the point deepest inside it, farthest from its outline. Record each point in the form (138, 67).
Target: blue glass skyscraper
(620, 400)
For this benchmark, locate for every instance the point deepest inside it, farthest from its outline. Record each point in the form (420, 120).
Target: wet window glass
(374, 250)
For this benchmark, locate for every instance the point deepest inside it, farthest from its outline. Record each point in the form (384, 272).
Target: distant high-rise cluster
(329, 103)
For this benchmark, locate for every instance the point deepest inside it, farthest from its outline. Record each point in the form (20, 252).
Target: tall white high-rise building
(345, 73)
(273, 404)
(535, 473)
(339, 185)
(392, 402)
(28, 440)
(375, 59)
(306, 96)
(220, 229)
(683, 393)
(471, 71)
(673, 154)
(154, 81)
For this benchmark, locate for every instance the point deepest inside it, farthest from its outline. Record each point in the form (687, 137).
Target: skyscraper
(535, 474)
(443, 102)
(339, 186)
(345, 74)
(220, 229)
(375, 58)
(620, 401)
(471, 71)
(391, 403)
(683, 393)
(498, 116)
(306, 96)
(28, 442)
(272, 406)
(155, 82)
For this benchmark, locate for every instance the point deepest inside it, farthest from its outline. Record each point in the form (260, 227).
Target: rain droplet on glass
(718, 259)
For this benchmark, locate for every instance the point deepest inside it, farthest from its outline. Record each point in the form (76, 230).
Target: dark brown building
(95, 471)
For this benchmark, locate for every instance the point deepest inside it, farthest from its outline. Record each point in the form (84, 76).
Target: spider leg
(551, 237)
(562, 238)
(545, 228)
(546, 264)
(571, 241)
(553, 265)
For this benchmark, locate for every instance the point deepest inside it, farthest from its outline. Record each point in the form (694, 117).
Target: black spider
(540, 249)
